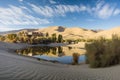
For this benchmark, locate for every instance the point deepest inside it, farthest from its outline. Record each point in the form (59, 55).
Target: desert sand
(108, 33)
(16, 67)
(68, 33)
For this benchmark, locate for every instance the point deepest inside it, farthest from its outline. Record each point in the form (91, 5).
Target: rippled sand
(15, 67)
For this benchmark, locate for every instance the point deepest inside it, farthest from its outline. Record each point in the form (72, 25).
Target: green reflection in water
(41, 50)
(45, 50)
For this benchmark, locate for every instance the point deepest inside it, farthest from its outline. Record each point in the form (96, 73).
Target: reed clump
(103, 52)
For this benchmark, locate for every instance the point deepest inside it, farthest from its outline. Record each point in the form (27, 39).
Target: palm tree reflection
(41, 50)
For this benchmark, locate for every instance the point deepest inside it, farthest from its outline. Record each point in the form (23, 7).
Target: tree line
(22, 37)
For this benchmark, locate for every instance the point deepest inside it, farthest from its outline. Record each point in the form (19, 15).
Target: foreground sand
(15, 67)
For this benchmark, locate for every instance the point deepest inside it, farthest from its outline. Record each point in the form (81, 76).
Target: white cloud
(57, 9)
(45, 11)
(5, 28)
(17, 16)
(103, 10)
(52, 1)
(20, 0)
(116, 12)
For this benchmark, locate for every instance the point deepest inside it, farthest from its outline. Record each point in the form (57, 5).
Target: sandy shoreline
(15, 67)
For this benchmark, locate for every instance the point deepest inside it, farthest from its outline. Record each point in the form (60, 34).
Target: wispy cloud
(20, 0)
(60, 10)
(17, 16)
(52, 1)
(103, 10)
(116, 12)
(43, 10)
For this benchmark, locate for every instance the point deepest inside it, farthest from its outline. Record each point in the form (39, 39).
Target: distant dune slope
(69, 33)
(108, 33)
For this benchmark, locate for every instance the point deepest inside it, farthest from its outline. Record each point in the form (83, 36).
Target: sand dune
(80, 33)
(68, 33)
(16, 67)
(73, 33)
(108, 33)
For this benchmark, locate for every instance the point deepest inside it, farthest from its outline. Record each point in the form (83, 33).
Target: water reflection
(67, 55)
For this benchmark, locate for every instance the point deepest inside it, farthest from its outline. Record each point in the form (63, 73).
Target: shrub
(11, 36)
(2, 38)
(75, 58)
(103, 53)
(94, 51)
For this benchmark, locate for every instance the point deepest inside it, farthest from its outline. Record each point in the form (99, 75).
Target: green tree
(12, 37)
(54, 37)
(47, 34)
(60, 38)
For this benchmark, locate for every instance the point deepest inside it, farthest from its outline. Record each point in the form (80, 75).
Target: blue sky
(90, 14)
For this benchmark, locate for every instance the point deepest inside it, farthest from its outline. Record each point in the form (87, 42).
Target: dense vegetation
(103, 53)
(23, 37)
(46, 38)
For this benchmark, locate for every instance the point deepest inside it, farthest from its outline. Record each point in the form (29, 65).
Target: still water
(66, 55)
